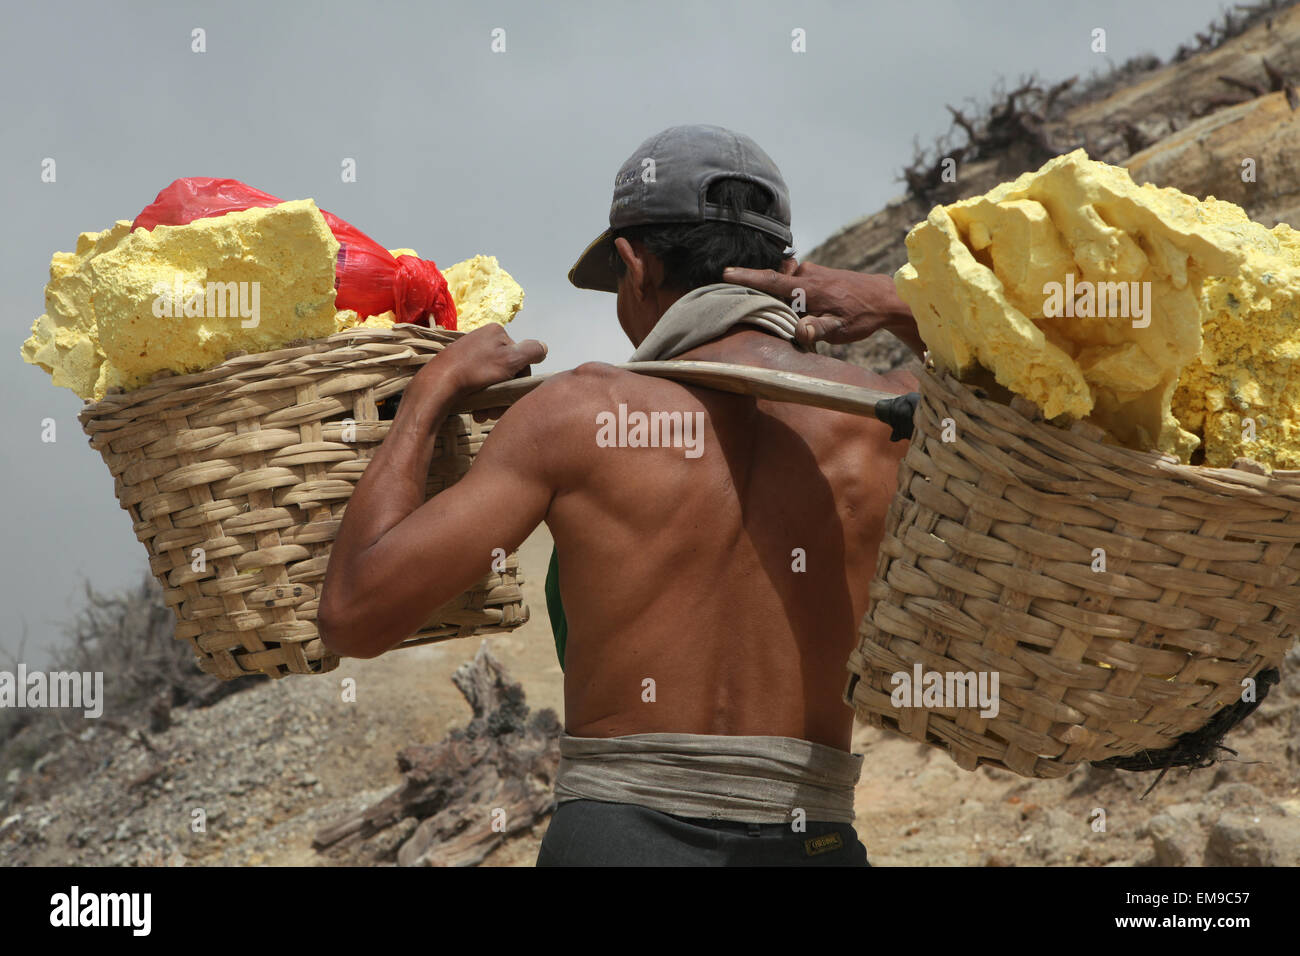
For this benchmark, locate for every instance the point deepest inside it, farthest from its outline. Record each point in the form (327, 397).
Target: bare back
(734, 580)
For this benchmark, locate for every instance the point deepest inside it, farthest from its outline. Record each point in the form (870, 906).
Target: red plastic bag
(367, 278)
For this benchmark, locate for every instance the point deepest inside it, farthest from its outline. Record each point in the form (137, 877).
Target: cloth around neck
(703, 314)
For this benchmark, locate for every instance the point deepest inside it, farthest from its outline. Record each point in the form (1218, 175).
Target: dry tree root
(1020, 120)
(462, 797)
(1277, 83)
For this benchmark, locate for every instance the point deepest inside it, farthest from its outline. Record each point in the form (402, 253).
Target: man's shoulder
(571, 395)
(550, 429)
(576, 387)
(592, 383)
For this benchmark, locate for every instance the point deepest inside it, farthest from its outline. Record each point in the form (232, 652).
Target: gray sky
(459, 151)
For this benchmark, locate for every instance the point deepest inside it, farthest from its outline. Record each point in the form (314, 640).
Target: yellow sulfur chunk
(483, 292)
(127, 304)
(347, 319)
(275, 264)
(1083, 292)
(65, 341)
(1243, 390)
(966, 318)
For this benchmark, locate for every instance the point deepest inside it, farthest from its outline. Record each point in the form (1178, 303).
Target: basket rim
(236, 363)
(1158, 465)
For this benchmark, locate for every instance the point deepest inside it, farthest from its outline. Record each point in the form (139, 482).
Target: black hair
(694, 254)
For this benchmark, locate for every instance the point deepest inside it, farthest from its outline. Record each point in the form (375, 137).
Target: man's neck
(664, 300)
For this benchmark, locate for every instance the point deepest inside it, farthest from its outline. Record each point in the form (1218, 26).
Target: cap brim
(592, 270)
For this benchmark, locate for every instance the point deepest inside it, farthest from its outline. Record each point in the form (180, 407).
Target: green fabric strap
(554, 609)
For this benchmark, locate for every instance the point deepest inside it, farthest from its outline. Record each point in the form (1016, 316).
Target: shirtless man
(705, 659)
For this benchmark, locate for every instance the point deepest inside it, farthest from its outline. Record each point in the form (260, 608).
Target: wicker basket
(250, 462)
(987, 565)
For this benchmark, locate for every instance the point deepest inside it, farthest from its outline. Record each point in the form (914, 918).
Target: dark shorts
(593, 833)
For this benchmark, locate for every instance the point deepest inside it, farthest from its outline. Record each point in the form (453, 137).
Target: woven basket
(987, 566)
(250, 461)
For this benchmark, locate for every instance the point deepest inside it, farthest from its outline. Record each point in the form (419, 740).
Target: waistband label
(823, 844)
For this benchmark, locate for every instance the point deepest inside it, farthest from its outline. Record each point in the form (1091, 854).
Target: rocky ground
(267, 768)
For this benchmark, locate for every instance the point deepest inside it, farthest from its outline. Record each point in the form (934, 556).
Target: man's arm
(397, 558)
(840, 305)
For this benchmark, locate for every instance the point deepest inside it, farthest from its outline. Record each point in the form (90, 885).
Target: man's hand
(840, 305)
(482, 358)
(386, 573)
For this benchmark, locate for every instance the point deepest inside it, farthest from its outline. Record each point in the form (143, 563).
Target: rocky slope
(269, 767)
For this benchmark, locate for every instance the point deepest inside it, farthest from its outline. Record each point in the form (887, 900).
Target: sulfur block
(347, 319)
(65, 340)
(1164, 319)
(182, 297)
(127, 304)
(483, 292)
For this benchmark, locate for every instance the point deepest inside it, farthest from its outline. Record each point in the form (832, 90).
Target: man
(712, 585)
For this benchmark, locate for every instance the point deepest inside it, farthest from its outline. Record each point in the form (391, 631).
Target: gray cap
(686, 160)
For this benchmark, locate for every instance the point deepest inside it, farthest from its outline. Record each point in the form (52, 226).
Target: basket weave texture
(988, 565)
(253, 461)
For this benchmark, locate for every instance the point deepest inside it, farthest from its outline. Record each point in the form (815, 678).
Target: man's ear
(639, 275)
(789, 265)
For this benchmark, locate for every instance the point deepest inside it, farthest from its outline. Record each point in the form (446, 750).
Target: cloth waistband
(712, 776)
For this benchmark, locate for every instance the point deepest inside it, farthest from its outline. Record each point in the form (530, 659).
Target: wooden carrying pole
(740, 379)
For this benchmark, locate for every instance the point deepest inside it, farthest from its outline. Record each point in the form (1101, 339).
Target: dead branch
(466, 794)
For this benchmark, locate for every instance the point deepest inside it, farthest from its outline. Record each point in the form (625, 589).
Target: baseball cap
(665, 181)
